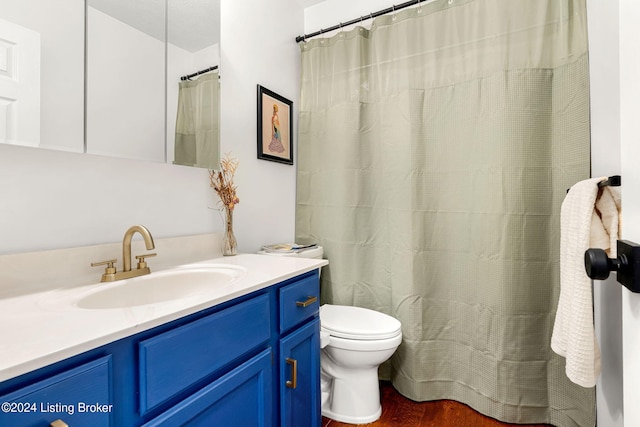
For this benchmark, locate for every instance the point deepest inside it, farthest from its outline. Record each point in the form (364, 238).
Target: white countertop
(45, 327)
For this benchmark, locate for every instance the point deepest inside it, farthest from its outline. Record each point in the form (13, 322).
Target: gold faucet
(111, 275)
(126, 246)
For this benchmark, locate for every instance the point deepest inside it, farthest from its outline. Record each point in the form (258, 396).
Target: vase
(229, 243)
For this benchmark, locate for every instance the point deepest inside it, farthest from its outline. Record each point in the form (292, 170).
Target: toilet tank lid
(315, 252)
(357, 322)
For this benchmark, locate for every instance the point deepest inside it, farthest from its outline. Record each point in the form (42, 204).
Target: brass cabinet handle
(308, 302)
(294, 373)
(58, 423)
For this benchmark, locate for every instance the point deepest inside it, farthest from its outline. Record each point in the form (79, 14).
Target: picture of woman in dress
(275, 117)
(275, 145)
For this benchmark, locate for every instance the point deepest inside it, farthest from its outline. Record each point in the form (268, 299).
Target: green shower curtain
(435, 150)
(198, 122)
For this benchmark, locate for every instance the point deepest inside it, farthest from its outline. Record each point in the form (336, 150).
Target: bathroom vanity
(247, 355)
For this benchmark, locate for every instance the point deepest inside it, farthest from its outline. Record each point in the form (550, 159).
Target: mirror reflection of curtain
(197, 124)
(434, 153)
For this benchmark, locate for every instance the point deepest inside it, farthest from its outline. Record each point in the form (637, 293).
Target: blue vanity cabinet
(80, 396)
(299, 349)
(175, 360)
(223, 342)
(251, 361)
(240, 398)
(300, 377)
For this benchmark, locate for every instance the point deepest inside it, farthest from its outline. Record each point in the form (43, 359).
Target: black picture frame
(275, 127)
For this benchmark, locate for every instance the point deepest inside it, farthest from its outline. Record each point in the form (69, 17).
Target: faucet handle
(109, 263)
(141, 261)
(109, 271)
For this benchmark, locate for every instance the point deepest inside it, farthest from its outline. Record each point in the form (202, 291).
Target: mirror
(42, 73)
(193, 83)
(125, 78)
(137, 105)
(136, 53)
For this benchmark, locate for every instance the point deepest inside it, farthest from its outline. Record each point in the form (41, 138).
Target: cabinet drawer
(297, 301)
(242, 397)
(80, 397)
(173, 361)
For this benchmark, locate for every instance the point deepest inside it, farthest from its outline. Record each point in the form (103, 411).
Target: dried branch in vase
(222, 182)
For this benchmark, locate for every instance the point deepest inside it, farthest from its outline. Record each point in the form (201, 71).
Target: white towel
(586, 221)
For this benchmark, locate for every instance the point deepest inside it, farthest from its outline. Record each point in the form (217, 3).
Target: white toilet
(354, 342)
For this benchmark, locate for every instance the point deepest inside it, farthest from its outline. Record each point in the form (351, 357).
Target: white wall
(630, 153)
(328, 13)
(258, 47)
(605, 160)
(52, 199)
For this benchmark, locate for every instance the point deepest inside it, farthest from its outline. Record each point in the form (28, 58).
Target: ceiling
(307, 3)
(193, 24)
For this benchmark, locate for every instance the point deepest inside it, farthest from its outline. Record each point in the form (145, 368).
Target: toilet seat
(357, 323)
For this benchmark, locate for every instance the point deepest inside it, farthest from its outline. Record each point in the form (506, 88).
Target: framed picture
(275, 130)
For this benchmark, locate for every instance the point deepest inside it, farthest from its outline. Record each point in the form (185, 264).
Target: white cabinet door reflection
(42, 74)
(19, 85)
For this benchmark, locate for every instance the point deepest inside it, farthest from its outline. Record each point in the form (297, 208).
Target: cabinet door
(240, 398)
(175, 360)
(80, 397)
(300, 377)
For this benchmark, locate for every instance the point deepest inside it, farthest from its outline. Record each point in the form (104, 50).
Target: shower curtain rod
(362, 18)
(197, 73)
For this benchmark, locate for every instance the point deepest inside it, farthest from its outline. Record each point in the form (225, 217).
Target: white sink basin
(163, 286)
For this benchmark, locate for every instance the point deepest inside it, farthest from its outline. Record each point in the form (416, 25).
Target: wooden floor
(398, 411)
